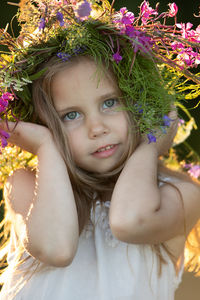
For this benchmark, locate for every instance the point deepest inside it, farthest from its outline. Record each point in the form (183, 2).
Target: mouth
(108, 147)
(105, 151)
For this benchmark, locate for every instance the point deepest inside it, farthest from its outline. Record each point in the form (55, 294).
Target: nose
(97, 128)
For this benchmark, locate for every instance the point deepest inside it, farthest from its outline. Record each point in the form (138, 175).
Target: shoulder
(19, 190)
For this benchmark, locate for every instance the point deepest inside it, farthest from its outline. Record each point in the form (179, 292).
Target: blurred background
(190, 286)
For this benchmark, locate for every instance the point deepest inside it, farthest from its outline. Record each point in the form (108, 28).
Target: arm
(141, 212)
(43, 206)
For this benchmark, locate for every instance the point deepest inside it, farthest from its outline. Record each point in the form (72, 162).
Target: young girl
(100, 217)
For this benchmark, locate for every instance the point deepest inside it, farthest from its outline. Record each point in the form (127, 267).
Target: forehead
(82, 75)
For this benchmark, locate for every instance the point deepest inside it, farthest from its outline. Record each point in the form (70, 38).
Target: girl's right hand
(28, 136)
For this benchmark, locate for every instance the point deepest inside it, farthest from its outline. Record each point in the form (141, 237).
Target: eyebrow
(102, 97)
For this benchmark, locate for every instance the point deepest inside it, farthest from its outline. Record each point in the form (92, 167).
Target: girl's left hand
(165, 140)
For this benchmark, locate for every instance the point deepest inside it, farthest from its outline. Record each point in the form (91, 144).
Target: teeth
(106, 148)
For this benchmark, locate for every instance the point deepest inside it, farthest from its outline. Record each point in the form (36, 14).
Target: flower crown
(152, 61)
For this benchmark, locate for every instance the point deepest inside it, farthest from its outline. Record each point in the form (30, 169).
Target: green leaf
(38, 74)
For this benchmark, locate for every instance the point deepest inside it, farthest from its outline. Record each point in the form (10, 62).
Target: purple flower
(59, 17)
(83, 10)
(3, 104)
(42, 24)
(127, 17)
(117, 57)
(139, 108)
(123, 19)
(173, 9)
(166, 120)
(151, 138)
(3, 138)
(79, 50)
(63, 56)
(140, 40)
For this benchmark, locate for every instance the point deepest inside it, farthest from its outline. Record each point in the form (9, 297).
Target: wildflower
(166, 120)
(151, 138)
(139, 108)
(147, 11)
(59, 17)
(7, 96)
(185, 28)
(79, 50)
(127, 17)
(140, 40)
(3, 138)
(194, 170)
(83, 10)
(41, 24)
(4, 99)
(117, 57)
(177, 45)
(188, 56)
(173, 9)
(63, 56)
(123, 19)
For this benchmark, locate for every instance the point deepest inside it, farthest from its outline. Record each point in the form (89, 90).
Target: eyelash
(114, 103)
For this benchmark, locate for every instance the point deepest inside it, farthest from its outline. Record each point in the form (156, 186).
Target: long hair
(87, 187)
(85, 184)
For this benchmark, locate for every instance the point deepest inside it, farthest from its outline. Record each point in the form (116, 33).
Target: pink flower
(180, 122)
(177, 45)
(197, 60)
(185, 29)
(4, 99)
(194, 35)
(123, 19)
(194, 170)
(140, 40)
(117, 57)
(7, 96)
(173, 9)
(3, 138)
(147, 11)
(127, 17)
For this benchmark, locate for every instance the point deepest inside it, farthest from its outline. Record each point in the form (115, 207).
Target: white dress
(103, 269)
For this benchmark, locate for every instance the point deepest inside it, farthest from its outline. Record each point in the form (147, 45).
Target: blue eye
(110, 103)
(72, 115)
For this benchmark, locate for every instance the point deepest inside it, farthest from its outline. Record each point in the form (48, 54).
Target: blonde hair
(87, 187)
(85, 184)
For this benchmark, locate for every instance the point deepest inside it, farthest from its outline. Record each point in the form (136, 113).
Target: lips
(105, 148)
(105, 151)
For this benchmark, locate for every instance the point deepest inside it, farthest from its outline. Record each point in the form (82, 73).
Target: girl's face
(96, 127)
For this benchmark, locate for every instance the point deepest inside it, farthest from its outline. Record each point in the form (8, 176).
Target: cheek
(123, 125)
(75, 141)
